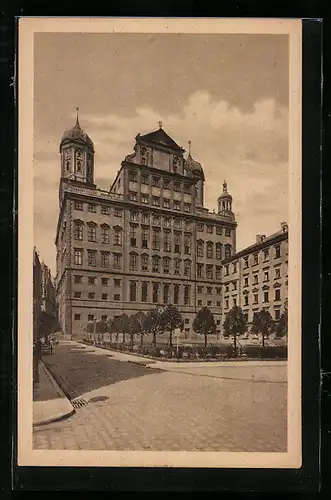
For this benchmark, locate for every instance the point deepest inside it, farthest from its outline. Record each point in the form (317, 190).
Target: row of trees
(160, 320)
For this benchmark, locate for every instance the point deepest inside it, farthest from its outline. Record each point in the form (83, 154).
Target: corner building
(147, 241)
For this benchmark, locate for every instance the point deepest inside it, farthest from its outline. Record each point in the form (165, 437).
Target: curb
(70, 411)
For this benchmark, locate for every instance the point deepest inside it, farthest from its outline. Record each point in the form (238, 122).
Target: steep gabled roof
(159, 137)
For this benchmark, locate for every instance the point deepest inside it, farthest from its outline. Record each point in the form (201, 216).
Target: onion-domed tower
(77, 155)
(194, 169)
(225, 201)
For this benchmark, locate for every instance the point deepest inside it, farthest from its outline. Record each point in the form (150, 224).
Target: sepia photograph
(159, 242)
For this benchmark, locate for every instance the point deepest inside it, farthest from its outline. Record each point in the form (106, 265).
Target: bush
(267, 352)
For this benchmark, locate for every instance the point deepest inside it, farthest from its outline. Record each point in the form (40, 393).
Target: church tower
(77, 155)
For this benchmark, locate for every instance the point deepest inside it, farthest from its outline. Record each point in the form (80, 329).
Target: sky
(228, 94)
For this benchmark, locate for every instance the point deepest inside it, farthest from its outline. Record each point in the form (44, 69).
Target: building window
(176, 294)
(266, 254)
(104, 317)
(144, 262)
(78, 256)
(155, 293)
(117, 296)
(104, 234)
(219, 251)
(209, 302)
(177, 242)
(156, 264)
(144, 238)
(177, 223)
(265, 296)
(227, 288)
(255, 259)
(200, 248)
(104, 296)
(133, 262)
(156, 240)
(117, 236)
(77, 279)
(218, 303)
(117, 261)
(228, 249)
(199, 302)
(187, 226)
(234, 301)
(177, 186)
(234, 267)
(104, 281)
(218, 229)
(155, 201)
(245, 300)
(210, 229)
(277, 314)
(166, 294)
(210, 250)
(78, 205)
(133, 291)
(144, 291)
(226, 270)
(277, 273)
(246, 282)
(218, 290)
(166, 203)
(91, 281)
(200, 289)
(166, 265)
(145, 179)
(104, 210)
(209, 290)
(77, 317)
(277, 252)
(200, 270)
(176, 205)
(227, 231)
(145, 218)
(133, 236)
(266, 275)
(133, 176)
(91, 295)
(92, 207)
(187, 295)
(133, 216)
(177, 267)
(255, 279)
(187, 207)
(226, 303)
(187, 268)
(117, 283)
(200, 227)
(92, 233)
(104, 259)
(234, 285)
(117, 212)
(277, 294)
(245, 262)
(166, 241)
(132, 196)
(187, 188)
(78, 295)
(156, 220)
(246, 317)
(92, 258)
(156, 181)
(144, 198)
(78, 230)
(209, 273)
(166, 184)
(167, 222)
(256, 298)
(187, 244)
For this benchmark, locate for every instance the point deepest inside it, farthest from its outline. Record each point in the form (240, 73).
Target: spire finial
(189, 147)
(160, 124)
(225, 185)
(77, 121)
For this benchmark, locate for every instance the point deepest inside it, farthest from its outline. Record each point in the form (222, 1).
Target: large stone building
(149, 240)
(256, 278)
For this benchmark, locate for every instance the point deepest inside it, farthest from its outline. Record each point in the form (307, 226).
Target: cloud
(249, 149)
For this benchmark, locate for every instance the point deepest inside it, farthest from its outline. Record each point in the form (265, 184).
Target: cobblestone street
(133, 407)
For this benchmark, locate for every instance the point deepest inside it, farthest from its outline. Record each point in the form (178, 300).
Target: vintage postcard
(159, 242)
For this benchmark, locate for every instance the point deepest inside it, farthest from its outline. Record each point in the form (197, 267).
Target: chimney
(258, 238)
(284, 226)
(263, 237)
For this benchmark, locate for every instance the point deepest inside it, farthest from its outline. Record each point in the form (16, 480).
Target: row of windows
(92, 295)
(266, 298)
(159, 182)
(210, 254)
(92, 207)
(93, 261)
(266, 277)
(91, 280)
(255, 259)
(158, 202)
(157, 297)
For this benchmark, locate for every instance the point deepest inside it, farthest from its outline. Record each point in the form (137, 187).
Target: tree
(282, 325)
(153, 323)
(124, 325)
(171, 319)
(101, 328)
(109, 329)
(141, 319)
(90, 329)
(264, 324)
(204, 323)
(134, 327)
(235, 324)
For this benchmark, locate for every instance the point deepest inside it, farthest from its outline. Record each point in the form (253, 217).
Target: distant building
(256, 278)
(37, 293)
(149, 240)
(44, 303)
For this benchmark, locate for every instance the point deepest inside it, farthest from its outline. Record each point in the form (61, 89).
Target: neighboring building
(257, 277)
(37, 293)
(44, 303)
(48, 303)
(149, 240)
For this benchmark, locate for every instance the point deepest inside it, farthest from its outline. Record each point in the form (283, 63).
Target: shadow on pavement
(78, 371)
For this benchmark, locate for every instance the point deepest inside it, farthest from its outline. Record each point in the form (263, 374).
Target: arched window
(78, 229)
(92, 231)
(210, 249)
(104, 233)
(117, 235)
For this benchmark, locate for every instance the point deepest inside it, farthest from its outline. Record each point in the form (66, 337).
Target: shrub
(268, 352)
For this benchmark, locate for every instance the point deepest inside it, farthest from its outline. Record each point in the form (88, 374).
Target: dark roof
(273, 238)
(194, 167)
(160, 138)
(77, 134)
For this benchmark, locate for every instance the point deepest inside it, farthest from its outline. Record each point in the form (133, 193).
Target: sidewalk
(49, 402)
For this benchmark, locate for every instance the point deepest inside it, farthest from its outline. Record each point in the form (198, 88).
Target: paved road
(132, 407)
